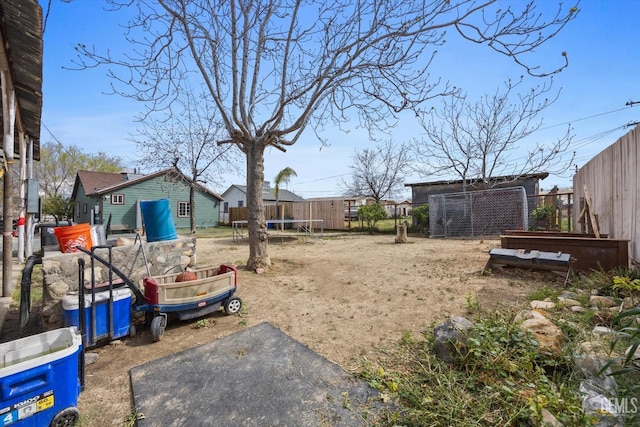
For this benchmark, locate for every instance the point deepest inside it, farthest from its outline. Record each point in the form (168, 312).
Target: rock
(602, 330)
(601, 301)
(569, 295)
(628, 303)
(57, 290)
(548, 419)
(185, 261)
(550, 338)
(90, 358)
(450, 338)
(577, 309)
(123, 241)
(568, 302)
(545, 305)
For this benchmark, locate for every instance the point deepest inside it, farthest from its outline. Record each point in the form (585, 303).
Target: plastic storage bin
(100, 326)
(39, 379)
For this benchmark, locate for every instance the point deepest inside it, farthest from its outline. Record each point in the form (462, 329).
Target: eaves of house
(98, 183)
(270, 195)
(21, 60)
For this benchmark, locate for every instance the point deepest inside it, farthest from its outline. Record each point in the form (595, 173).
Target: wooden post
(592, 216)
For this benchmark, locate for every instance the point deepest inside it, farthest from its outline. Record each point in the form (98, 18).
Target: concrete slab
(256, 377)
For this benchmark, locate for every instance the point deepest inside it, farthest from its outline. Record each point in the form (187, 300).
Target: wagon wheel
(232, 305)
(157, 327)
(66, 417)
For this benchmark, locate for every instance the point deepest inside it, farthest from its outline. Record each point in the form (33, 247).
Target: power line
(584, 118)
(322, 179)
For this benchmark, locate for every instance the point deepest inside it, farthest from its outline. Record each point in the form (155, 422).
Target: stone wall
(61, 271)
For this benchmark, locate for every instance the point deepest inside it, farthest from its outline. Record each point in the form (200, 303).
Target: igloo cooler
(40, 379)
(105, 316)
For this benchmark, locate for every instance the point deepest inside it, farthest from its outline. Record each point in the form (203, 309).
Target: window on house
(117, 199)
(77, 209)
(184, 209)
(240, 203)
(84, 208)
(225, 207)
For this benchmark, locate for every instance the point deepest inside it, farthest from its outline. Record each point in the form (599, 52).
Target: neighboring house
(399, 209)
(236, 197)
(100, 197)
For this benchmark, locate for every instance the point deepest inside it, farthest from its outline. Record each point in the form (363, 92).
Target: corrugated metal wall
(613, 183)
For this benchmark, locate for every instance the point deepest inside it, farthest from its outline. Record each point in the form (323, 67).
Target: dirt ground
(344, 297)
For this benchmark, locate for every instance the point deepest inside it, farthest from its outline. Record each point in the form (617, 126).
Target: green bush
(370, 215)
(543, 212)
(421, 217)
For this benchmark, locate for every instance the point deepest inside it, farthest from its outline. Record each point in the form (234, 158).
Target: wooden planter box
(590, 252)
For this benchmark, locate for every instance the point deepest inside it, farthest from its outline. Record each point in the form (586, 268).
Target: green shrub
(421, 216)
(370, 215)
(543, 212)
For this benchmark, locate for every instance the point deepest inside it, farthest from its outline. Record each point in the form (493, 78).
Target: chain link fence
(478, 213)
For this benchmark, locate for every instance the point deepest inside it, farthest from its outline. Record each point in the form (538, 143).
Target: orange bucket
(72, 236)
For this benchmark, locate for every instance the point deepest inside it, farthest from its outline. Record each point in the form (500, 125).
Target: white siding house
(236, 197)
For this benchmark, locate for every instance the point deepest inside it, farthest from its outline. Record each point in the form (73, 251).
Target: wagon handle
(127, 281)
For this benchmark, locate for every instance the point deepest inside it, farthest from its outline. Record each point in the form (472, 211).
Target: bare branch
(378, 172)
(479, 141)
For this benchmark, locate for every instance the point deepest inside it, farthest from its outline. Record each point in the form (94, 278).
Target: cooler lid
(70, 300)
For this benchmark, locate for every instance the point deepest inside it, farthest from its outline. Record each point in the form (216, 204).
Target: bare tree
(480, 141)
(378, 172)
(274, 68)
(186, 139)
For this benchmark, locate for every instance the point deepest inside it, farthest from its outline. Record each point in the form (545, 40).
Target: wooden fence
(611, 180)
(330, 211)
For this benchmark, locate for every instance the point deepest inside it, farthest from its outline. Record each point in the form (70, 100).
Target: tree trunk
(192, 207)
(258, 237)
(401, 233)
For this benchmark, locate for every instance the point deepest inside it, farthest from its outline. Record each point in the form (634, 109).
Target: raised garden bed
(591, 253)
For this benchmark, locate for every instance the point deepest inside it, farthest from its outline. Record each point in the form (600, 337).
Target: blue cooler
(39, 379)
(101, 328)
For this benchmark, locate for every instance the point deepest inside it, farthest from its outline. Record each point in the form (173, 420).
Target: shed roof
(504, 178)
(21, 56)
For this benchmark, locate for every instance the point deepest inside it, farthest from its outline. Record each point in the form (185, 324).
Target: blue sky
(602, 44)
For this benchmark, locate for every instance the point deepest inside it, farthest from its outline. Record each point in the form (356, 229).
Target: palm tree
(283, 177)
